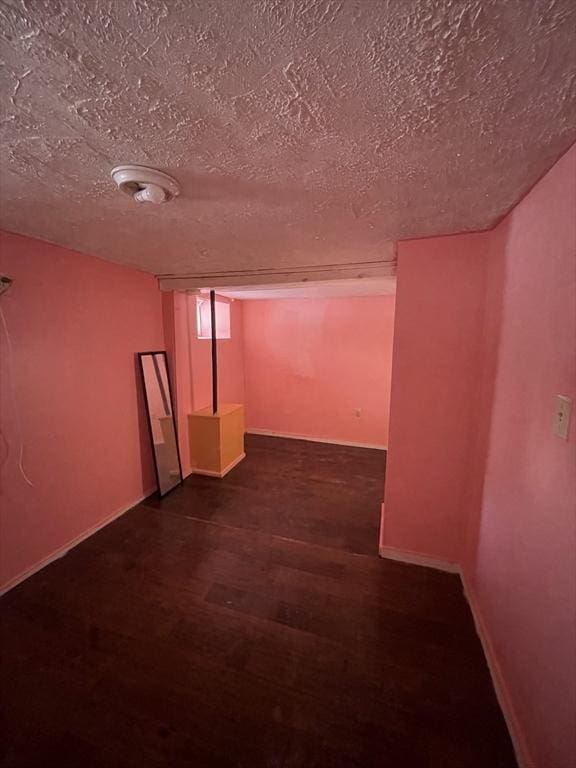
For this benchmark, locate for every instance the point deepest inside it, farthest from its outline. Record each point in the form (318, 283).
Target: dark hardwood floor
(313, 492)
(248, 623)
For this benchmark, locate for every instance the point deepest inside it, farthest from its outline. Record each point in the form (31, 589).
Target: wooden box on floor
(216, 440)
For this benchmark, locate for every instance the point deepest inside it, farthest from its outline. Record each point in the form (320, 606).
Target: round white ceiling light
(145, 185)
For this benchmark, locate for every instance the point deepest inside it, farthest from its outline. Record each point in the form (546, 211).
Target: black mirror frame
(163, 353)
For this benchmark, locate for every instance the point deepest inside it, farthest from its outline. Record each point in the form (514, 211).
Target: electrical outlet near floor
(562, 411)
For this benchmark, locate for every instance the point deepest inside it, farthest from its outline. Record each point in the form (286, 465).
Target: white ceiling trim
(236, 280)
(329, 289)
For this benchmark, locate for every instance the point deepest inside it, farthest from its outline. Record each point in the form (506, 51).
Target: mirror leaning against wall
(161, 422)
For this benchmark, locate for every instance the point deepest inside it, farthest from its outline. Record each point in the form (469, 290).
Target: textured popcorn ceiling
(303, 132)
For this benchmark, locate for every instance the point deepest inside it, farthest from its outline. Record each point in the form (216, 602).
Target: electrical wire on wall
(4, 285)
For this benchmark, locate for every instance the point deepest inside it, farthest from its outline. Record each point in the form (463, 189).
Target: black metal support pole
(214, 353)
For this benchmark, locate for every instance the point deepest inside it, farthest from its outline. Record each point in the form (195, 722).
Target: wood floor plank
(248, 623)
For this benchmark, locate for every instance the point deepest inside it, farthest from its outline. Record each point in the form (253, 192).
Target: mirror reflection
(160, 410)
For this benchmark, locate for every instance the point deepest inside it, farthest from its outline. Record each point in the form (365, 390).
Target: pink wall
(525, 572)
(436, 370)
(76, 323)
(485, 338)
(311, 362)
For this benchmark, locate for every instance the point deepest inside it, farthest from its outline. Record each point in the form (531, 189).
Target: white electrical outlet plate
(562, 411)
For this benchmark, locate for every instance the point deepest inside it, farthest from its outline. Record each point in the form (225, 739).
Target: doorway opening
(310, 367)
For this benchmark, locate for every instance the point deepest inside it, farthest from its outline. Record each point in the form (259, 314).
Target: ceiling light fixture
(145, 185)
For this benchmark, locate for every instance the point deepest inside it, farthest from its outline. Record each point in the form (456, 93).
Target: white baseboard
(212, 473)
(61, 551)
(504, 699)
(289, 436)
(414, 558)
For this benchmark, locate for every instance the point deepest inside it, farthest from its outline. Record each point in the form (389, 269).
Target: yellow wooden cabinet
(216, 439)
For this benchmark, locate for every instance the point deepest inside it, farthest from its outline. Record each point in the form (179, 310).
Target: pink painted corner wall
(524, 575)
(310, 363)
(75, 323)
(485, 339)
(436, 369)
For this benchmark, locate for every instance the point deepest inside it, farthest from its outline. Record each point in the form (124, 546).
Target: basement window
(204, 321)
